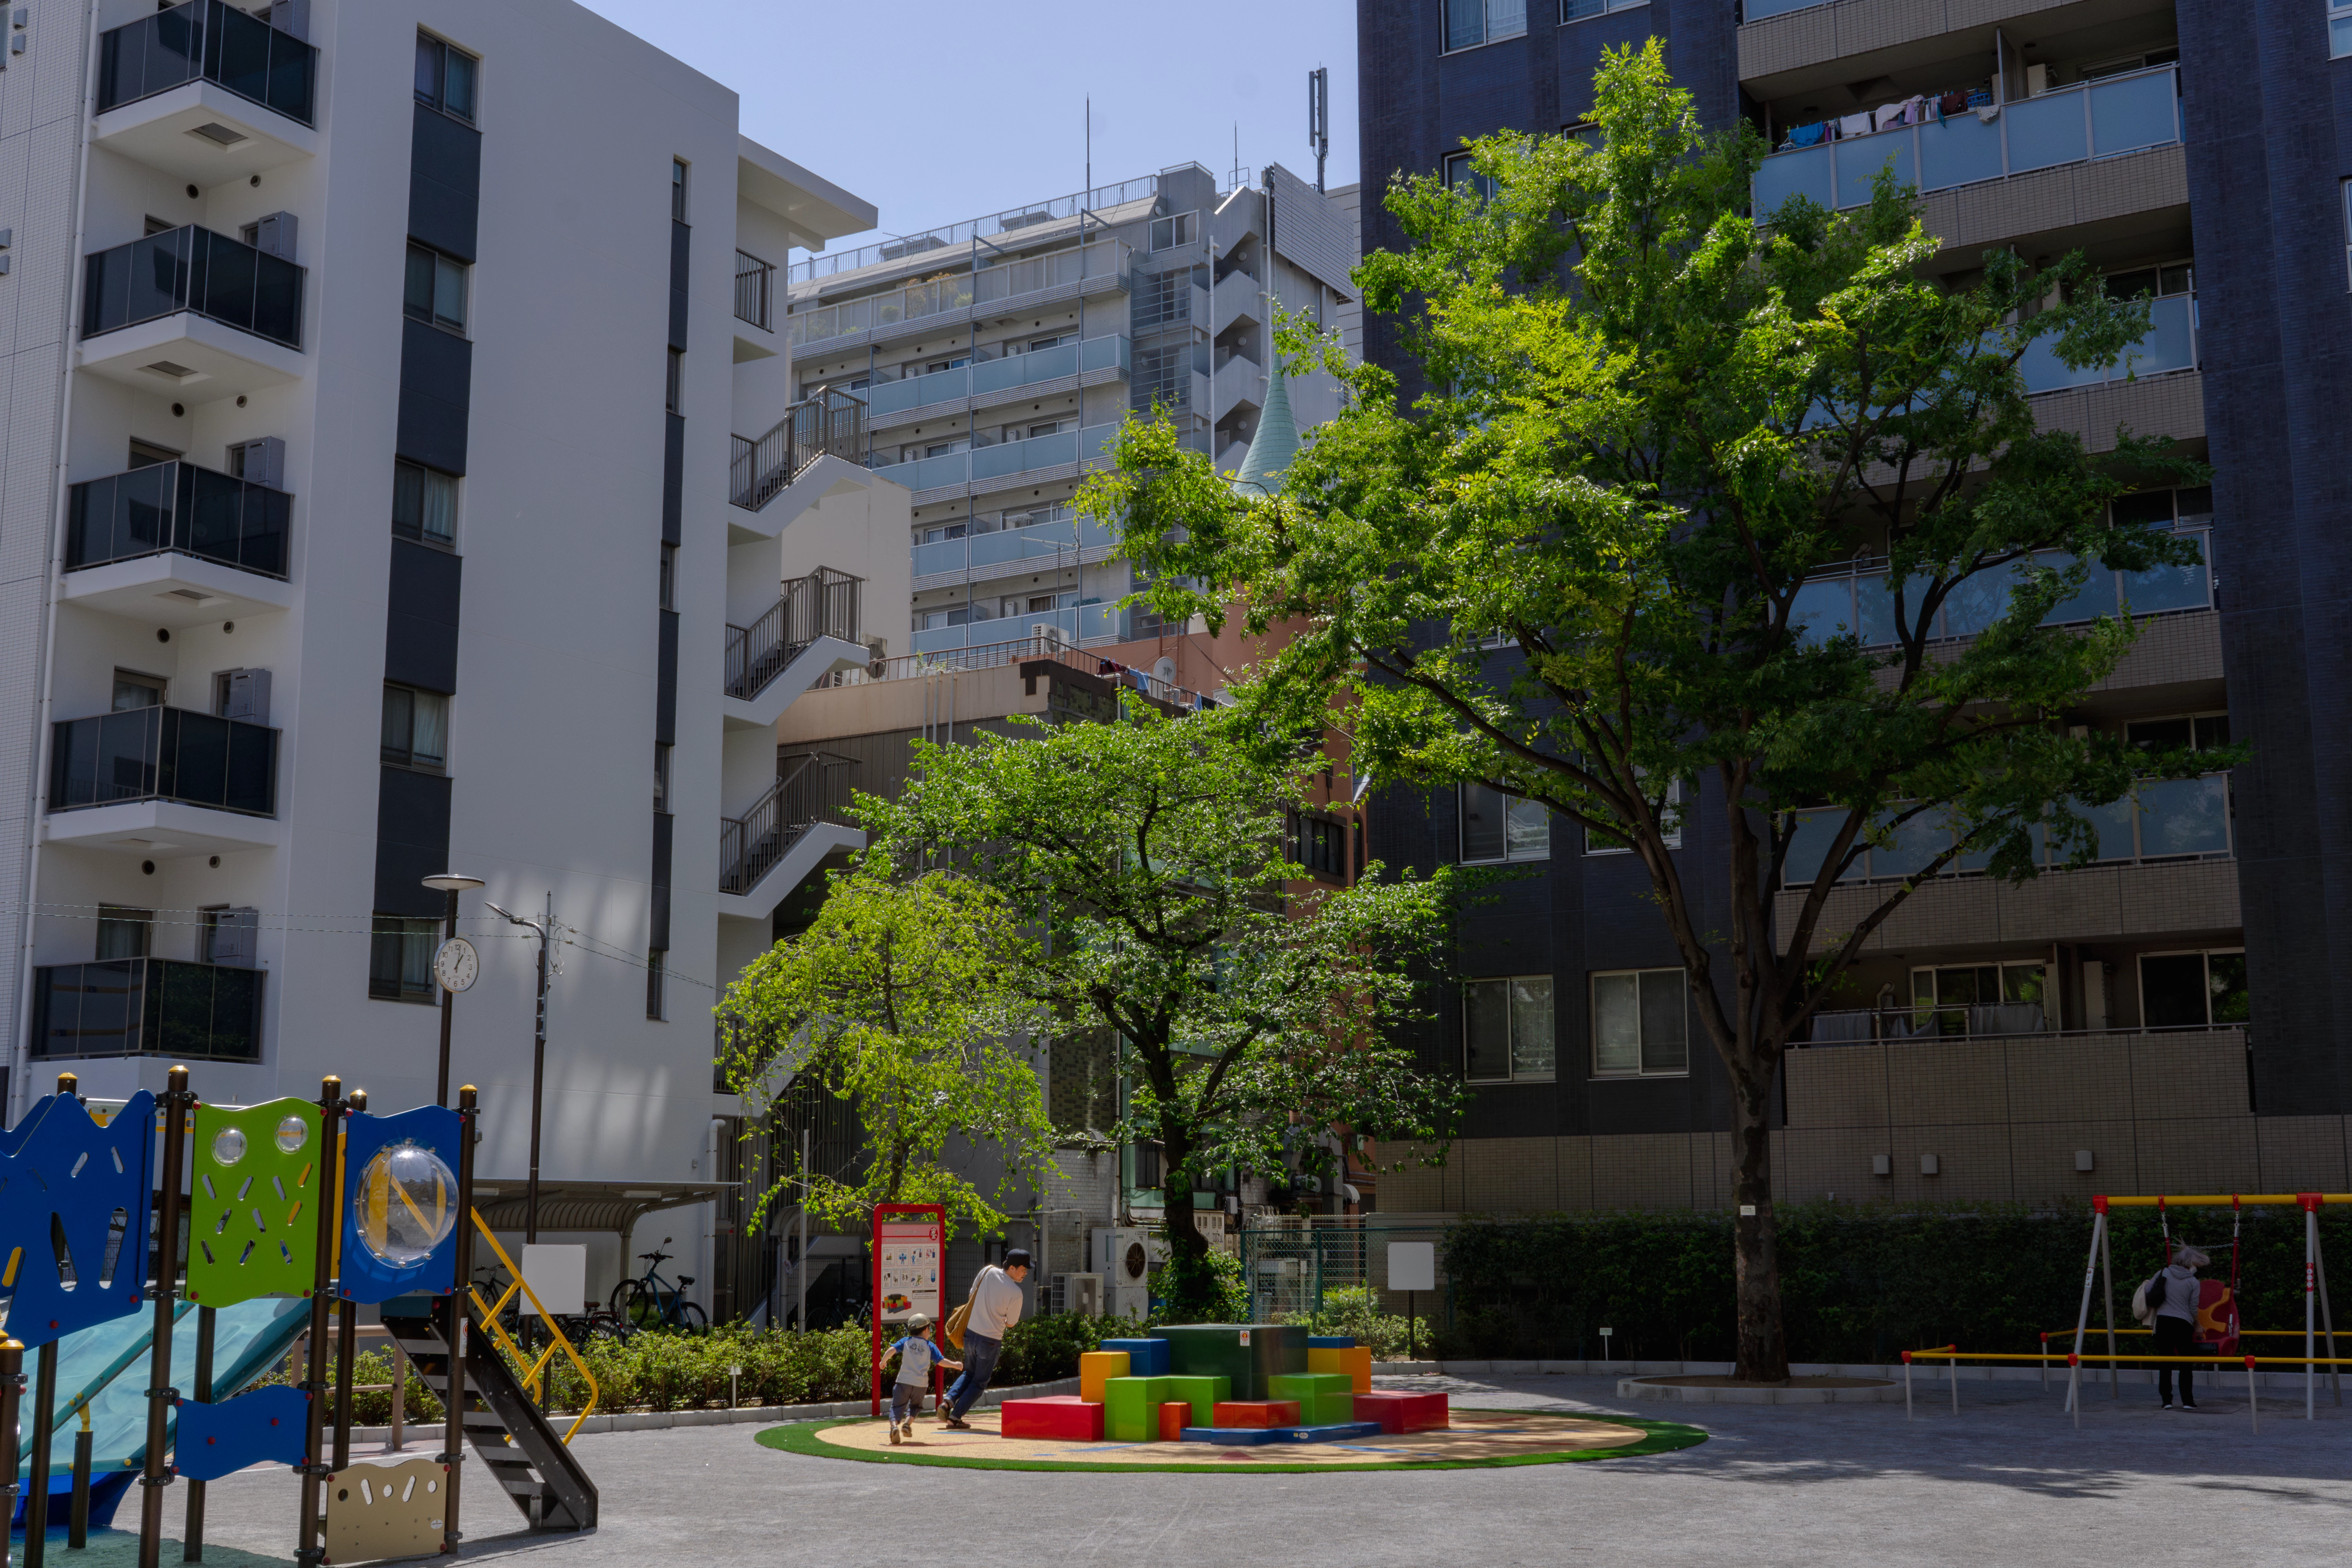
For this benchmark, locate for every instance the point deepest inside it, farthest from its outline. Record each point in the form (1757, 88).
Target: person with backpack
(2169, 1304)
(994, 1307)
(917, 1354)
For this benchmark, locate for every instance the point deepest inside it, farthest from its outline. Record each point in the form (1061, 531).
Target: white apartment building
(373, 446)
(995, 358)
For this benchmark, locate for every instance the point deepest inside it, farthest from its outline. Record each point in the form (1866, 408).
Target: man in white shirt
(995, 1308)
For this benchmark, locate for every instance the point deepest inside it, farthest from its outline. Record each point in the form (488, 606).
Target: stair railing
(750, 845)
(822, 604)
(532, 1370)
(832, 421)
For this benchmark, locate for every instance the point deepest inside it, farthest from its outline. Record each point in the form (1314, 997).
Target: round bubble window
(228, 1146)
(407, 1205)
(292, 1133)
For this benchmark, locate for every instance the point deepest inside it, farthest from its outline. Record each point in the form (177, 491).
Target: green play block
(1131, 1404)
(1246, 1355)
(1202, 1394)
(1306, 1385)
(1326, 1410)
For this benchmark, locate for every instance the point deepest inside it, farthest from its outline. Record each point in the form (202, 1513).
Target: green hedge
(1858, 1284)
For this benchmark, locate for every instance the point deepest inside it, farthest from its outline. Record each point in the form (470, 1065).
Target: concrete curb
(1642, 1388)
(761, 1414)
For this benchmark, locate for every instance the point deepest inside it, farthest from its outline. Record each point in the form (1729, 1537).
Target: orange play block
(1399, 1412)
(1062, 1417)
(1260, 1412)
(1174, 1416)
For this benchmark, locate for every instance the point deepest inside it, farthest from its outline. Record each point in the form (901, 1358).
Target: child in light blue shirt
(917, 1354)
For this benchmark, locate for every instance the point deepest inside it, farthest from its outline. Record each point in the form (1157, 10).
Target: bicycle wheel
(632, 1303)
(689, 1317)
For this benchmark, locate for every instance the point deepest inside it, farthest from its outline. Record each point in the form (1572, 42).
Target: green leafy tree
(896, 998)
(1150, 852)
(1576, 569)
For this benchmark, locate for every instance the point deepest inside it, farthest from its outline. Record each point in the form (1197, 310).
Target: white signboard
(908, 1271)
(557, 1273)
(1413, 1265)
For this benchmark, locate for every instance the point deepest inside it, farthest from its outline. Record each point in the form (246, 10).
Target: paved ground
(2008, 1483)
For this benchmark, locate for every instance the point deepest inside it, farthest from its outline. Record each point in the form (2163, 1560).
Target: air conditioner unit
(1049, 632)
(1123, 1257)
(1080, 1293)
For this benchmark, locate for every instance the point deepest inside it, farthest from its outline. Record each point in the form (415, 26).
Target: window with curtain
(445, 78)
(122, 933)
(399, 959)
(436, 290)
(415, 727)
(1640, 1023)
(1507, 1030)
(1500, 827)
(424, 504)
(1670, 817)
(1469, 22)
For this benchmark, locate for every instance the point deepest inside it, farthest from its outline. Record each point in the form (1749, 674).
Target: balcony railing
(822, 604)
(147, 1007)
(962, 291)
(755, 290)
(949, 237)
(164, 754)
(194, 269)
(2170, 345)
(1929, 1019)
(2160, 819)
(1757, 10)
(181, 508)
(808, 790)
(1061, 539)
(2101, 119)
(1001, 461)
(1077, 624)
(831, 422)
(217, 43)
(995, 653)
(1858, 601)
(1110, 352)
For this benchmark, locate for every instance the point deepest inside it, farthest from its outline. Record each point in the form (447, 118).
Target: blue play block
(1330, 1341)
(1145, 1358)
(218, 1440)
(1249, 1436)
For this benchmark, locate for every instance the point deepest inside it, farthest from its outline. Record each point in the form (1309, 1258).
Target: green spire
(1274, 445)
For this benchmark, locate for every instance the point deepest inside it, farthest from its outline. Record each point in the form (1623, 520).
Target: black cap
(1017, 1258)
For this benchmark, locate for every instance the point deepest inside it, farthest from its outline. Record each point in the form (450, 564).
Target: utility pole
(1318, 118)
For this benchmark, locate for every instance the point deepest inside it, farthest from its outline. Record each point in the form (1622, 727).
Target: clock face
(455, 964)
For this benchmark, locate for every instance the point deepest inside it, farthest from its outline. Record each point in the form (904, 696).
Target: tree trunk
(1763, 1348)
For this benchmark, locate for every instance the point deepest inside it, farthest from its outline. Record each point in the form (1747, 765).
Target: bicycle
(652, 1302)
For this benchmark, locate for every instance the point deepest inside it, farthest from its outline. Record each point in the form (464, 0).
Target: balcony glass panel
(2112, 824)
(1019, 457)
(917, 391)
(216, 42)
(1824, 608)
(164, 754)
(2097, 596)
(1757, 10)
(177, 507)
(1807, 172)
(2170, 345)
(961, 291)
(1026, 370)
(1959, 151)
(1822, 603)
(2133, 112)
(1815, 832)
(2184, 816)
(1914, 845)
(147, 1006)
(2170, 587)
(2045, 131)
(194, 269)
(1860, 159)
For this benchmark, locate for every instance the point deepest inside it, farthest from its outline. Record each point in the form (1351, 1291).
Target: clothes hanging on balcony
(1954, 102)
(2009, 1019)
(1807, 135)
(1854, 124)
(1841, 1028)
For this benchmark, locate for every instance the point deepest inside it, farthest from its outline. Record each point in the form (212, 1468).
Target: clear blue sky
(937, 111)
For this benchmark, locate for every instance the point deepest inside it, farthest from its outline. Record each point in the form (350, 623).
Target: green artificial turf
(1663, 1437)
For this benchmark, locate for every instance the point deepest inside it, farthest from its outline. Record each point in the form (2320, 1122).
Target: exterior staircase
(522, 1451)
(832, 423)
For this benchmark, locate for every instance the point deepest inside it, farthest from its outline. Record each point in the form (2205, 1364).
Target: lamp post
(537, 1062)
(454, 965)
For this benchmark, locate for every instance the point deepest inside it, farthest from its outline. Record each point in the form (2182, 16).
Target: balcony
(1083, 269)
(1068, 540)
(1007, 379)
(205, 92)
(2090, 120)
(191, 311)
(755, 299)
(163, 782)
(1000, 467)
(176, 545)
(1022, 221)
(147, 1007)
(1078, 624)
(772, 848)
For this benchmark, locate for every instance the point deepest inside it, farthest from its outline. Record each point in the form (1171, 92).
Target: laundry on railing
(1918, 109)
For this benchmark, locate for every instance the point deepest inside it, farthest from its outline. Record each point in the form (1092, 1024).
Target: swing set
(2219, 1332)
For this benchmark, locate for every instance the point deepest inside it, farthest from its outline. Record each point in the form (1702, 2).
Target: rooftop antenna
(1236, 177)
(1318, 119)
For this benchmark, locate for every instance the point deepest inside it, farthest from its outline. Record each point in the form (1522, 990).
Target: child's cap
(918, 1323)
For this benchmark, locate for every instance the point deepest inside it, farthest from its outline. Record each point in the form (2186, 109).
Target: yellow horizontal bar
(2093, 1331)
(2086, 1355)
(2225, 1200)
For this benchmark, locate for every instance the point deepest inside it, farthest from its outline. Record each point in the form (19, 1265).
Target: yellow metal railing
(535, 1370)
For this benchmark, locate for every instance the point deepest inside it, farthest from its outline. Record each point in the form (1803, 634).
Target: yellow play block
(1095, 1369)
(1356, 1362)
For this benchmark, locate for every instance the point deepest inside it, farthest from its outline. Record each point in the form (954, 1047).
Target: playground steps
(517, 1444)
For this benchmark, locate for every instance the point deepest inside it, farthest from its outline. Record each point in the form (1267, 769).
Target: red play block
(1064, 1416)
(1399, 1412)
(1258, 1413)
(1174, 1416)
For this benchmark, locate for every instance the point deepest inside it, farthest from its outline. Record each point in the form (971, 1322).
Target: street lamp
(455, 964)
(538, 1062)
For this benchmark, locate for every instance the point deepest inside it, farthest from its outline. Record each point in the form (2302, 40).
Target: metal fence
(1292, 1266)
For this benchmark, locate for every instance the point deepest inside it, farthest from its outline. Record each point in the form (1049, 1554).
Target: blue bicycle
(650, 1301)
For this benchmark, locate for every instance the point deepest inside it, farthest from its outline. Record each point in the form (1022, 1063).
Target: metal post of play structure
(12, 1386)
(37, 1499)
(77, 1511)
(452, 1334)
(2108, 1278)
(192, 1548)
(2083, 1318)
(346, 1319)
(160, 1395)
(2327, 1323)
(314, 1373)
(2310, 1303)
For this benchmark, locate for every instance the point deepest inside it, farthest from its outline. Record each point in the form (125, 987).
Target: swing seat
(2217, 1318)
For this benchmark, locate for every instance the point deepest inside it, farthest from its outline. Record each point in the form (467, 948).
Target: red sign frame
(937, 1216)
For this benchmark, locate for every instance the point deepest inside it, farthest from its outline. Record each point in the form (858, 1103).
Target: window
(1507, 1030)
(1670, 817)
(1469, 22)
(668, 586)
(2153, 282)
(1640, 1023)
(2192, 990)
(1980, 985)
(656, 985)
(674, 383)
(1578, 10)
(2197, 733)
(415, 727)
(132, 689)
(678, 190)
(445, 78)
(423, 503)
(1167, 233)
(1583, 131)
(146, 454)
(1499, 826)
(435, 292)
(2344, 187)
(2339, 28)
(399, 959)
(661, 777)
(1459, 172)
(124, 933)
(1321, 845)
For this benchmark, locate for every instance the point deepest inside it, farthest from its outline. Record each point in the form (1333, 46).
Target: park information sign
(909, 1255)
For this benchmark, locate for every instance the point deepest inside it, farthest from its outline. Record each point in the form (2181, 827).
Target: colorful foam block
(1145, 1358)
(1131, 1408)
(1399, 1412)
(1060, 1415)
(1257, 1413)
(1173, 1419)
(1326, 1409)
(1307, 1384)
(1097, 1367)
(1245, 1354)
(1248, 1436)
(1200, 1394)
(1356, 1361)
(1331, 1342)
